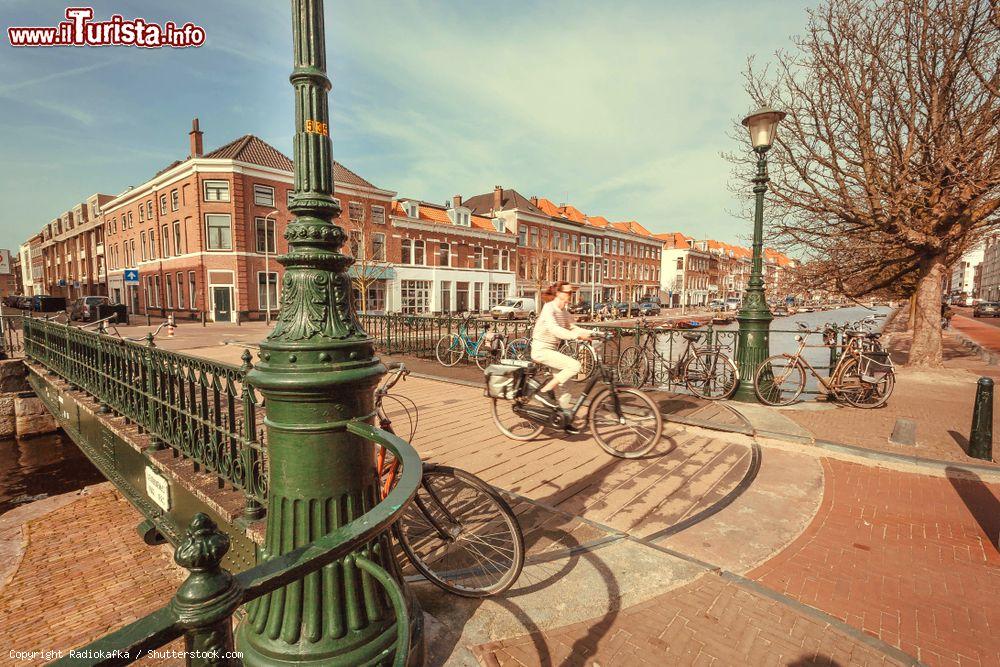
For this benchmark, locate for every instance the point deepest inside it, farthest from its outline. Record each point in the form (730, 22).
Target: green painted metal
(981, 433)
(753, 343)
(214, 591)
(317, 372)
(204, 411)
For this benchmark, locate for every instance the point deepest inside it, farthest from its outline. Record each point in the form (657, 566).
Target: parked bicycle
(625, 422)
(584, 352)
(863, 375)
(489, 347)
(458, 532)
(706, 371)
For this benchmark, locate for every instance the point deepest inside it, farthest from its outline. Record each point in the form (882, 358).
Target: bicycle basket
(503, 381)
(874, 366)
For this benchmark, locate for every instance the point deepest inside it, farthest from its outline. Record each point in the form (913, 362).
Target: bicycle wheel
(626, 430)
(512, 425)
(711, 374)
(633, 367)
(779, 380)
(449, 349)
(486, 357)
(863, 394)
(461, 534)
(584, 354)
(520, 349)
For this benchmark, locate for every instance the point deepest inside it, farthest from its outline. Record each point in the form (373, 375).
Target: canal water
(36, 468)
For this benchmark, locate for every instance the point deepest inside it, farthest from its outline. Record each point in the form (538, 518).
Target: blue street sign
(131, 276)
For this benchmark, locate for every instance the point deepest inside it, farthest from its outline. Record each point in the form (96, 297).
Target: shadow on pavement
(979, 500)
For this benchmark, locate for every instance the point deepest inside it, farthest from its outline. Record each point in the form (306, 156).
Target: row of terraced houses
(200, 237)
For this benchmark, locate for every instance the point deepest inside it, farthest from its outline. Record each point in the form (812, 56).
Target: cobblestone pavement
(909, 559)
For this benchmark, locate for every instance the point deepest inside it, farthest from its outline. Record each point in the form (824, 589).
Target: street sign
(131, 276)
(4, 262)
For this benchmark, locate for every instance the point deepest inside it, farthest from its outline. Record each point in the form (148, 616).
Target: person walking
(555, 324)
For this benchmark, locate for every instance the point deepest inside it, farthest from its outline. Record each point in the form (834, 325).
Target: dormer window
(498, 224)
(461, 216)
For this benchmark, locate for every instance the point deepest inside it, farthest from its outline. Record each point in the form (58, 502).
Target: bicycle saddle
(691, 336)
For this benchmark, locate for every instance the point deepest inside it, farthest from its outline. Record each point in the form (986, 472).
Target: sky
(622, 108)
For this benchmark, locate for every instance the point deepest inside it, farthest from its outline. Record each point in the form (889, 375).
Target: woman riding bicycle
(556, 324)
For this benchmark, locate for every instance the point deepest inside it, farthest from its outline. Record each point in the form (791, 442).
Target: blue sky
(621, 108)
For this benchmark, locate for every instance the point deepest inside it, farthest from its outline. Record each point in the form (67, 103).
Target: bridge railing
(202, 410)
(203, 607)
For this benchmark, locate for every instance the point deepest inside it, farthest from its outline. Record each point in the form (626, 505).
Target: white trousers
(566, 365)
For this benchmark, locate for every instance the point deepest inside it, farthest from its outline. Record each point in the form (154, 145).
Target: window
(462, 218)
(180, 291)
(177, 238)
(355, 244)
(216, 190)
(163, 204)
(477, 257)
(505, 260)
(378, 215)
(415, 296)
(267, 290)
(534, 237)
(131, 222)
(156, 290)
(445, 303)
(263, 195)
(574, 240)
(192, 290)
(356, 213)
(165, 240)
(220, 233)
(142, 245)
(170, 291)
(376, 296)
(412, 251)
(264, 233)
(152, 244)
(149, 210)
(607, 244)
(173, 197)
(522, 237)
(132, 252)
(378, 251)
(288, 198)
(498, 293)
(142, 211)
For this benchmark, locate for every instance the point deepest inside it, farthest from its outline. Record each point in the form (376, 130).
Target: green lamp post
(317, 372)
(753, 346)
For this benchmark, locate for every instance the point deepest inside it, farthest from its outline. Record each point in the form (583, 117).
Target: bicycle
(625, 422)
(864, 377)
(453, 347)
(584, 352)
(458, 532)
(707, 372)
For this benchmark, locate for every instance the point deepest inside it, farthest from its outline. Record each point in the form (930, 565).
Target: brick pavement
(909, 559)
(86, 568)
(708, 622)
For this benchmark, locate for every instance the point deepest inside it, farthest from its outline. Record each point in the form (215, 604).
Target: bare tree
(367, 241)
(887, 167)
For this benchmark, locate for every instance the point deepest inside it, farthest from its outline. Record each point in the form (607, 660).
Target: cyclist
(556, 324)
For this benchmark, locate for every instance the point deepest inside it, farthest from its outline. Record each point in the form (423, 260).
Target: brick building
(608, 260)
(690, 272)
(72, 252)
(203, 232)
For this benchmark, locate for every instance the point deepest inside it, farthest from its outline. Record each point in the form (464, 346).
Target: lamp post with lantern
(753, 344)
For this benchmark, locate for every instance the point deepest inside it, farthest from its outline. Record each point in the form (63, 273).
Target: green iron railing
(202, 410)
(204, 605)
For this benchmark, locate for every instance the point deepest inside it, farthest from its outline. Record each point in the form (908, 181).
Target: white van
(514, 308)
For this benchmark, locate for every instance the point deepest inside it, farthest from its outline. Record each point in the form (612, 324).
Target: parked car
(624, 309)
(649, 308)
(579, 307)
(85, 308)
(986, 309)
(732, 303)
(514, 308)
(717, 304)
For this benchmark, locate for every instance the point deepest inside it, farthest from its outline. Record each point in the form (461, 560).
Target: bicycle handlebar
(396, 371)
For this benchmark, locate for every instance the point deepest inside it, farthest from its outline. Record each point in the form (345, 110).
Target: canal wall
(22, 413)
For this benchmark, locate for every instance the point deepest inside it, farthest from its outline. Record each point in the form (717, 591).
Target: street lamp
(267, 265)
(754, 316)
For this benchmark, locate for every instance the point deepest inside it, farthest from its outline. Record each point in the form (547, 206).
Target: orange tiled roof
(439, 215)
(631, 226)
(598, 221)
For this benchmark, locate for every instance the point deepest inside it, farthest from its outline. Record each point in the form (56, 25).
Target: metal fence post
(150, 387)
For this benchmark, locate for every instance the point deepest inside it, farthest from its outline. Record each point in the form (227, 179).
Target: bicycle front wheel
(461, 534)
(633, 367)
(449, 350)
(711, 374)
(863, 394)
(485, 357)
(628, 427)
(779, 380)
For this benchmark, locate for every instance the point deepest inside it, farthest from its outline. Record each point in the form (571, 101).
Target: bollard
(149, 321)
(981, 435)
(203, 318)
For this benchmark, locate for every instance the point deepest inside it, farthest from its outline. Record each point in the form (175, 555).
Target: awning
(372, 272)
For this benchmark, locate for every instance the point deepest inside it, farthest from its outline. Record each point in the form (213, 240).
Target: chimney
(456, 201)
(195, 135)
(497, 198)
(534, 200)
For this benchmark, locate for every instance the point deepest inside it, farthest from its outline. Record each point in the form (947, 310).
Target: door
(222, 304)
(133, 293)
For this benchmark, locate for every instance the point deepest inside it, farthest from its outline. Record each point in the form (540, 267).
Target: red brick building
(203, 233)
(72, 252)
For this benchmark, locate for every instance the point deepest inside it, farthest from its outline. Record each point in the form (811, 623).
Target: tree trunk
(913, 312)
(926, 347)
